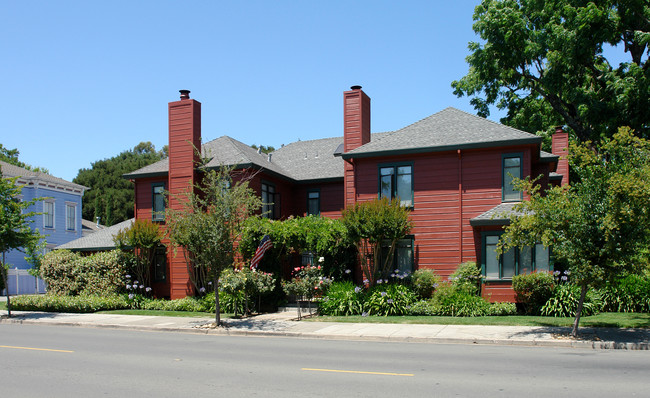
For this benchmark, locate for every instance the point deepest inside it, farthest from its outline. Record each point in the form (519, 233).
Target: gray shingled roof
(228, 151)
(100, 240)
(9, 170)
(311, 160)
(499, 215)
(448, 129)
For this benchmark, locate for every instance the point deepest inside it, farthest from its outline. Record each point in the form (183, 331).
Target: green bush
(467, 278)
(342, 298)
(467, 304)
(189, 304)
(389, 300)
(533, 290)
(454, 300)
(628, 294)
(564, 302)
(68, 273)
(424, 282)
(77, 304)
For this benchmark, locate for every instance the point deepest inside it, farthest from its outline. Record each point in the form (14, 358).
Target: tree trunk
(583, 293)
(3, 275)
(217, 309)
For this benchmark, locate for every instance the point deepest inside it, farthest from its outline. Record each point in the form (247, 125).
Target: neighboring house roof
(38, 179)
(446, 130)
(499, 215)
(100, 240)
(93, 226)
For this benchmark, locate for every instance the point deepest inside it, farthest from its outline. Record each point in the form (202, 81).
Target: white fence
(19, 281)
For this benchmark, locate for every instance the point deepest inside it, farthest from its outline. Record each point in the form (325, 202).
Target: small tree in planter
(307, 283)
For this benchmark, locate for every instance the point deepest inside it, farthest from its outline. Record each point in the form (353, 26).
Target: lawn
(605, 319)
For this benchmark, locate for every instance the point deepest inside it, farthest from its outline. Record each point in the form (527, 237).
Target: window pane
(386, 171)
(541, 258)
(491, 257)
(404, 170)
(48, 216)
(404, 255)
(508, 264)
(512, 162)
(160, 266)
(312, 206)
(509, 192)
(313, 195)
(526, 260)
(404, 189)
(386, 187)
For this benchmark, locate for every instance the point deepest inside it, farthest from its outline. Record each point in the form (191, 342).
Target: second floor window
(511, 169)
(48, 214)
(269, 201)
(313, 203)
(158, 202)
(397, 182)
(70, 217)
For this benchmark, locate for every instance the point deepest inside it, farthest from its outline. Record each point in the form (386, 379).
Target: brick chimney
(560, 147)
(356, 132)
(184, 140)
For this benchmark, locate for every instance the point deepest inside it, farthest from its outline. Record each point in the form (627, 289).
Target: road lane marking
(33, 348)
(358, 372)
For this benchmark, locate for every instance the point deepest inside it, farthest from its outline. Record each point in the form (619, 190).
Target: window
(270, 201)
(396, 181)
(48, 214)
(403, 255)
(160, 265)
(515, 261)
(313, 203)
(158, 202)
(70, 216)
(511, 167)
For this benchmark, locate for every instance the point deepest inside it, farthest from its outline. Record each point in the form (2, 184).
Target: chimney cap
(357, 87)
(185, 94)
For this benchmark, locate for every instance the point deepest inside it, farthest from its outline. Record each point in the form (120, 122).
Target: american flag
(261, 249)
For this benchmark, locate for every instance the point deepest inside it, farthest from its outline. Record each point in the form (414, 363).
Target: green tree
(15, 218)
(209, 223)
(546, 63)
(111, 197)
(143, 237)
(263, 148)
(600, 226)
(373, 225)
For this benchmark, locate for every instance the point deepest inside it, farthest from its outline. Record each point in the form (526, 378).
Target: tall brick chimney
(560, 147)
(356, 132)
(184, 141)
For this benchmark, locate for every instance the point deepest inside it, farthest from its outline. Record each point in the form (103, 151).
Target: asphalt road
(44, 361)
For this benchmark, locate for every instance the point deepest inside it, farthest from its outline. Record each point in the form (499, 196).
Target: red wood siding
(331, 199)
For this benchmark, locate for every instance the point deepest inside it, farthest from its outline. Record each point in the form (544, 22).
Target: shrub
(533, 290)
(468, 305)
(389, 300)
(60, 270)
(564, 302)
(189, 304)
(628, 294)
(425, 281)
(453, 300)
(77, 304)
(467, 278)
(342, 298)
(104, 273)
(308, 282)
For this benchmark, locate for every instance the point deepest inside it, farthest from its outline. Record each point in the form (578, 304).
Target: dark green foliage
(628, 294)
(564, 302)
(389, 300)
(11, 156)
(68, 273)
(461, 305)
(532, 291)
(425, 282)
(459, 302)
(141, 240)
(546, 63)
(342, 298)
(111, 197)
(75, 304)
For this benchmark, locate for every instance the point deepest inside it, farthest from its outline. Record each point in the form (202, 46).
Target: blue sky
(84, 81)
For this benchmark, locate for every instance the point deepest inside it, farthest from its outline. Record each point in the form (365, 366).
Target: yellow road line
(359, 372)
(32, 348)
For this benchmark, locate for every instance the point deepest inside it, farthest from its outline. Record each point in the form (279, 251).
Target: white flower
(322, 259)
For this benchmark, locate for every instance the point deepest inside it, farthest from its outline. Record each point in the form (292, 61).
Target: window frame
(158, 215)
(517, 258)
(395, 265)
(505, 156)
(394, 186)
(70, 225)
(270, 209)
(309, 199)
(47, 215)
(160, 252)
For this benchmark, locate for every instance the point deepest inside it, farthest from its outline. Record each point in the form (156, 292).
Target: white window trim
(45, 214)
(74, 206)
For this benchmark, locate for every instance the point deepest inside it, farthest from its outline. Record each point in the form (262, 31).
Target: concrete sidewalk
(282, 324)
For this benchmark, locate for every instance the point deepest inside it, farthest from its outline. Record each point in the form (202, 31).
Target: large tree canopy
(550, 63)
(111, 197)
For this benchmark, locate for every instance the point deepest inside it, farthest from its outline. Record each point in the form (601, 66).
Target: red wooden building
(453, 169)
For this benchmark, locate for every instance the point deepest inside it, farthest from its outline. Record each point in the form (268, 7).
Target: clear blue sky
(84, 81)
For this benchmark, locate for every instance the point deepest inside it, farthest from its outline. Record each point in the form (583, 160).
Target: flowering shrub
(425, 282)
(467, 278)
(241, 286)
(307, 282)
(389, 300)
(342, 298)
